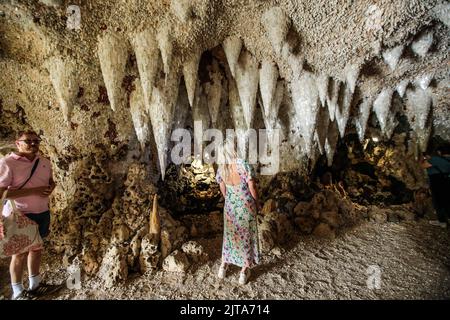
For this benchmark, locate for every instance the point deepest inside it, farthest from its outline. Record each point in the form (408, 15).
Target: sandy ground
(413, 260)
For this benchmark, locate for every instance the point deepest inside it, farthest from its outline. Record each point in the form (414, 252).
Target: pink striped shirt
(15, 170)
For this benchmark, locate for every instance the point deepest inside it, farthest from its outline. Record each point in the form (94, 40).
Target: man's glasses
(37, 141)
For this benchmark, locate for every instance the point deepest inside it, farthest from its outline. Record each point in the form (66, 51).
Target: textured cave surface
(356, 88)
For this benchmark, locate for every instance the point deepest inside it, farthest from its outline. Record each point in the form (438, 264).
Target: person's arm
(222, 188)
(254, 192)
(38, 191)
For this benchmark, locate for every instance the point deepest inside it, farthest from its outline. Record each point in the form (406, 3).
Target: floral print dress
(240, 234)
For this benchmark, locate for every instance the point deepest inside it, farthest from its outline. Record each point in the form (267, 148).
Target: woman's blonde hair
(226, 157)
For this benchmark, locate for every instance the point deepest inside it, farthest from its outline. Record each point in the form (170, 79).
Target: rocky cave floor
(413, 256)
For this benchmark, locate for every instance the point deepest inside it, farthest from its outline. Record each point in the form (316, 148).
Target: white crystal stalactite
(351, 76)
(418, 106)
(161, 113)
(424, 81)
(305, 99)
(165, 43)
(268, 77)
(363, 117)
(237, 116)
(392, 56)
(247, 76)
(332, 97)
(139, 116)
(190, 73)
(423, 44)
(382, 108)
(232, 47)
(342, 111)
(277, 24)
(331, 141)
(401, 87)
(113, 55)
(322, 86)
(64, 80)
(147, 58)
(213, 90)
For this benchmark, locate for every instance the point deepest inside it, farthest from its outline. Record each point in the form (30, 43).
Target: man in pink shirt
(32, 199)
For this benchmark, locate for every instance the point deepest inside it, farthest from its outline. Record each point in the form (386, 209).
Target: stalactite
(276, 24)
(165, 43)
(141, 121)
(422, 44)
(190, 73)
(113, 55)
(161, 114)
(363, 117)
(64, 80)
(382, 108)
(147, 59)
(392, 56)
(232, 47)
(418, 107)
(247, 75)
(305, 99)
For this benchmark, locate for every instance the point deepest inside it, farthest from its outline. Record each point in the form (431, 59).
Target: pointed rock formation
(334, 88)
(342, 111)
(422, 44)
(392, 56)
(418, 106)
(141, 121)
(190, 73)
(401, 87)
(277, 24)
(351, 76)
(147, 60)
(424, 81)
(113, 55)
(305, 98)
(165, 44)
(232, 47)
(363, 117)
(63, 77)
(161, 114)
(237, 115)
(155, 224)
(247, 75)
(382, 108)
(268, 76)
(322, 87)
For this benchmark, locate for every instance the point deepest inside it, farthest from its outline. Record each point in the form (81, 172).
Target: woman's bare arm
(254, 191)
(223, 189)
(14, 194)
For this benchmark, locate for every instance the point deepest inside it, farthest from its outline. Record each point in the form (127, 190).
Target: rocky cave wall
(106, 94)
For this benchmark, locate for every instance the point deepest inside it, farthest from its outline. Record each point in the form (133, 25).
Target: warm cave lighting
(375, 139)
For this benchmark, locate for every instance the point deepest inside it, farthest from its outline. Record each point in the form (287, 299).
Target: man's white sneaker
(243, 276)
(222, 271)
(438, 223)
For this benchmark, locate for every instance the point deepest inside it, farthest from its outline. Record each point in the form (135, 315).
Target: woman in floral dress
(240, 241)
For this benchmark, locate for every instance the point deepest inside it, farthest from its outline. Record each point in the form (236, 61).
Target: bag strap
(31, 174)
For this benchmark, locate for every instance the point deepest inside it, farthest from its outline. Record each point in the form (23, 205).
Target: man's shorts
(43, 221)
